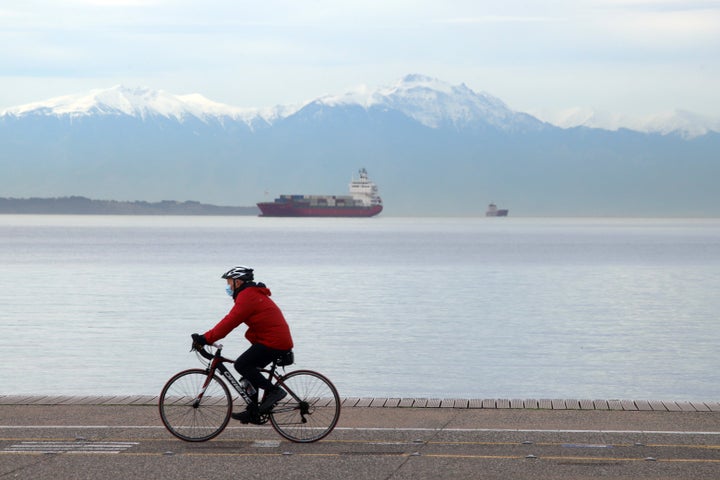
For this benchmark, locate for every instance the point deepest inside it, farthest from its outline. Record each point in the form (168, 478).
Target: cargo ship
(363, 201)
(494, 211)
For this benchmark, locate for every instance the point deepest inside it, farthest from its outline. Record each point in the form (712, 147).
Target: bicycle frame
(217, 362)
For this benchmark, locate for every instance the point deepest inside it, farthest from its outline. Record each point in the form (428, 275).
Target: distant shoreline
(76, 205)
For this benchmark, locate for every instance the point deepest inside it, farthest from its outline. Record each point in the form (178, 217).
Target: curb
(375, 402)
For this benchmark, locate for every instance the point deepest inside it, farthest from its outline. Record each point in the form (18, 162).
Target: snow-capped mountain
(434, 148)
(686, 124)
(138, 102)
(435, 104)
(428, 101)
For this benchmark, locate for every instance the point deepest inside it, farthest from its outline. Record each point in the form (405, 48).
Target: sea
(588, 308)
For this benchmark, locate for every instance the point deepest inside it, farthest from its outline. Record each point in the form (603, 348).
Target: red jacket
(265, 321)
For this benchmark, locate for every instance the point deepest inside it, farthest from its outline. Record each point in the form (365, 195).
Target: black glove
(198, 341)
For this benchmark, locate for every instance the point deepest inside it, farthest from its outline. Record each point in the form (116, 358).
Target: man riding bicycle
(268, 332)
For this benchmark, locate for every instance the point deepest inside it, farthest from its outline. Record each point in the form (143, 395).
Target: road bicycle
(196, 404)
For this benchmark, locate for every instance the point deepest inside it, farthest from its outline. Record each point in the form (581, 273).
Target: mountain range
(433, 148)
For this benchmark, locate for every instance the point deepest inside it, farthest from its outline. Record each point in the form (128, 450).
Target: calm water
(512, 308)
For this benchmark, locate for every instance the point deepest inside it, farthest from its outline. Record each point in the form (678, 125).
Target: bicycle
(196, 404)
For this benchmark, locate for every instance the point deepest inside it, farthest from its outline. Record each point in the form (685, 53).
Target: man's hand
(198, 341)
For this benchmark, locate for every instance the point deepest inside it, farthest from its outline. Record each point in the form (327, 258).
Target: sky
(630, 57)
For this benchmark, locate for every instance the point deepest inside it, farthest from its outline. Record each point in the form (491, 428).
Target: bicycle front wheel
(311, 409)
(189, 416)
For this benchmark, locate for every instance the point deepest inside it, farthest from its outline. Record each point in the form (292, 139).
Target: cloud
(690, 26)
(239, 51)
(502, 19)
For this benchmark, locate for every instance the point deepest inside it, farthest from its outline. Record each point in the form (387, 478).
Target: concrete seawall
(379, 402)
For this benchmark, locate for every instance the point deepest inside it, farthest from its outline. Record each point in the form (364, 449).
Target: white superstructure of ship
(365, 191)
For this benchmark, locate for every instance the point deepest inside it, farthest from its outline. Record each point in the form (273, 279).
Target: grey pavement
(77, 438)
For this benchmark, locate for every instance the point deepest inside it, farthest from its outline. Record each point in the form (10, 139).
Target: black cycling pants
(256, 357)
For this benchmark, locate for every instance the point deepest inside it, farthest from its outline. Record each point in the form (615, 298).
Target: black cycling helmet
(240, 273)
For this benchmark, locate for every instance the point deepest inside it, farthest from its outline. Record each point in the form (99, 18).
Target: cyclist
(268, 332)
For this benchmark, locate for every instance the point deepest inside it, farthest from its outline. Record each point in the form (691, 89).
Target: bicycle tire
(188, 421)
(314, 416)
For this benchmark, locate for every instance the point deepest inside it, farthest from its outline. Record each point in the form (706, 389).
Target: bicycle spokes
(311, 410)
(193, 416)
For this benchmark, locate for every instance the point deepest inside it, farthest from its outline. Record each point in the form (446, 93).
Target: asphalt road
(122, 442)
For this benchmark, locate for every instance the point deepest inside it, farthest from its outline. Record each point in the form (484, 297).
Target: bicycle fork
(201, 393)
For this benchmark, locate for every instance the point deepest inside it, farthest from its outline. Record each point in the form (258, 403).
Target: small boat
(494, 211)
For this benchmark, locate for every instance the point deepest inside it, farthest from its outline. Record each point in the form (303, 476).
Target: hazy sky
(631, 57)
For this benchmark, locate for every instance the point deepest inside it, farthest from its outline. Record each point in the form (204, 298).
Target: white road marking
(69, 447)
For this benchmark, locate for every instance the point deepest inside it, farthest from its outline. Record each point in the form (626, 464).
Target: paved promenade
(122, 437)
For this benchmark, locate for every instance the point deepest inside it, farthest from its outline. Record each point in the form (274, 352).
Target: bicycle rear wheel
(310, 411)
(191, 419)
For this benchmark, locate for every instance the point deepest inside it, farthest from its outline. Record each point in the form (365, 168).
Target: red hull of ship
(270, 209)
